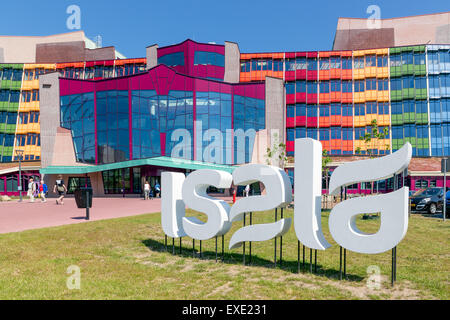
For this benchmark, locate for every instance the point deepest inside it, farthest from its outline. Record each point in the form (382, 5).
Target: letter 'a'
(392, 206)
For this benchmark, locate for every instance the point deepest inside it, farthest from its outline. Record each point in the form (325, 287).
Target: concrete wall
(96, 183)
(152, 56)
(414, 30)
(275, 110)
(23, 49)
(232, 62)
(49, 114)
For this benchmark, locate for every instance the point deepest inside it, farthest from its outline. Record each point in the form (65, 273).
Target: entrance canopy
(158, 161)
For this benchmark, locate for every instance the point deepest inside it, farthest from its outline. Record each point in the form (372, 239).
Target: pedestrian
(146, 190)
(157, 190)
(60, 187)
(31, 189)
(43, 191)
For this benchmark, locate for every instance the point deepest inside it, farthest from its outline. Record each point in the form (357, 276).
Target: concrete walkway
(18, 216)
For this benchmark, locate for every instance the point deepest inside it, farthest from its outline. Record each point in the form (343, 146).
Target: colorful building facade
(116, 111)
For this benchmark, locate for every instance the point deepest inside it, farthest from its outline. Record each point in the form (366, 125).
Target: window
(346, 63)
(382, 61)
(300, 63)
(277, 65)
(335, 109)
(371, 108)
(77, 182)
(324, 64)
(383, 84)
(300, 86)
(172, 59)
(419, 58)
(312, 87)
(290, 87)
(311, 64)
(324, 134)
(324, 111)
(371, 84)
(396, 60)
(207, 58)
(347, 86)
(358, 63)
(359, 85)
(421, 184)
(335, 85)
(408, 82)
(371, 61)
(300, 110)
(360, 109)
(324, 86)
(335, 63)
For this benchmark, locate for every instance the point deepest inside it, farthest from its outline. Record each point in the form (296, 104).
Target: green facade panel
(421, 94)
(409, 117)
(397, 119)
(421, 118)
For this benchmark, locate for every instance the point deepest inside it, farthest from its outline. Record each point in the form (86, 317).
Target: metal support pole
(444, 209)
(201, 256)
(298, 256)
(310, 260)
(315, 261)
(392, 268)
(345, 263)
(395, 264)
(243, 246)
(180, 244)
(223, 249)
(304, 264)
(193, 248)
(20, 178)
(165, 241)
(275, 245)
(340, 263)
(87, 204)
(173, 245)
(281, 240)
(216, 248)
(250, 243)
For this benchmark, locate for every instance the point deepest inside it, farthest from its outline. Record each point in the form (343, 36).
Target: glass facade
(152, 118)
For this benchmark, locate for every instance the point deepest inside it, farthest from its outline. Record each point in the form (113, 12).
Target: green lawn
(126, 259)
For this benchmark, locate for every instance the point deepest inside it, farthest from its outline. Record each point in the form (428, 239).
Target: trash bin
(80, 197)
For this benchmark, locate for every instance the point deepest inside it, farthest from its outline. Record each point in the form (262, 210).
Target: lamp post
(19, 154)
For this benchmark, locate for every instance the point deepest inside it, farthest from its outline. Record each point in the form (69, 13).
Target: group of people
(149, 193)
(40, 189)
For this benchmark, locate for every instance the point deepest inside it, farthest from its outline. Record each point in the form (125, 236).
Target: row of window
(8, 117)
(6, 140)
(409, 82)
(398, 60)
(302, 63)
(209, 59)
(11, 74)
(28, 117)
(30, 139)
(10, 95)
(345, 110)
(407, 106)
(30, 95)
(33, 74)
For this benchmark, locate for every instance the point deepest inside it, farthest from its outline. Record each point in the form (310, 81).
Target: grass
(126, 259)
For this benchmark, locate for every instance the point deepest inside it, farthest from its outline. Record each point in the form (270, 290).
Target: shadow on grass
(233, 258)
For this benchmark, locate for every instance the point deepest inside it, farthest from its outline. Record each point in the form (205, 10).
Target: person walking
(60, 187)
(31, 189)
(146, 190)
(43, 190)
(157, 190)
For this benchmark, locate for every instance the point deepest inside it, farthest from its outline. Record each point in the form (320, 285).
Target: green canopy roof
(158, 161)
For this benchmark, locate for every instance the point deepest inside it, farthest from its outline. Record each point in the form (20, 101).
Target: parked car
(429, 200)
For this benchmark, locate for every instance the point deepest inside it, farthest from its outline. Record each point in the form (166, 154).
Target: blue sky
(257, 26)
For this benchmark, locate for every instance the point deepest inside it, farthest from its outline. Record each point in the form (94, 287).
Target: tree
(325, 161)
(277, 152)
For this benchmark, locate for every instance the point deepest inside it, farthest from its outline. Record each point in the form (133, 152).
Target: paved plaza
(18, 216)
